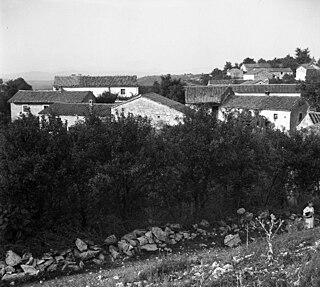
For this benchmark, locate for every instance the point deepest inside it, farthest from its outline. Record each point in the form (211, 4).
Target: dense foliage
(116, 175)
(107, 98)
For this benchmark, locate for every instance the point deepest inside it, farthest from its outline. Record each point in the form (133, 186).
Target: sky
(151, 36)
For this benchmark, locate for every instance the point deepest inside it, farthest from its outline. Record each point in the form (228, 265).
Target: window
(275, 116)
(123, 91)
(45, 106)
(25, 109)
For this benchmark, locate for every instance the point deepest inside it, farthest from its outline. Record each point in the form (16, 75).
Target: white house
(249, 67)
(160, 110)
(307, 70)
(123, 86)
(311, 118)
(24, 102)
(285, 112)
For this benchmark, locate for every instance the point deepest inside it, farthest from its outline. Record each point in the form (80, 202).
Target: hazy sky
(151, 36)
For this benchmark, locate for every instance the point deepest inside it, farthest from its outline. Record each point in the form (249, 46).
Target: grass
(294, 260)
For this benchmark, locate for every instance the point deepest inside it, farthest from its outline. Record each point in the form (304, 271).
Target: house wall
(158, 113)
(301, 73)
(282, 122)
(303, 109)
(248, 77)
(71, 120)
(306, 122)
(16, 109)
(129, 91)
(280, 75)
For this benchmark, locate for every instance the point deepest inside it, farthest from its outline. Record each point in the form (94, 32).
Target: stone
(172, 241)
(52, 267)
(168, 230)
(97, 261)
(29, 270)
(228, 267)
(204, 223)
(114, 252)
(89, 254)
(178, 237)
(133, 243)
(143, 240)
(74, 267)
(9, 269)
(14, 276)
(12, 259)
(241, 211)
(248, 216)
(149, 247)
(59, 258)
(187, 235)
(124, 246)
(232, 240)
(112, 239)
(159, 234)
(139, 232)
(101, 257)
(201, 231)
(81, 245)
(26, 256)
(129, 236)
(175, 226)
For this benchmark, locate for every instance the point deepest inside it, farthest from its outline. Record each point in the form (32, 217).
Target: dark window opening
(123, 91)
(300, 117)
(275, 116)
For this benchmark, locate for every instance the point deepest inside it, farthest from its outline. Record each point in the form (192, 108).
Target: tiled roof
(257, 65)
(95, 81)
(315, 117)
(261, 89)
(220, 82)
(79, 109)
(165, 101)
(276, 103)
(285, 70)
(310, 66)
(51, 96)
(207, 94)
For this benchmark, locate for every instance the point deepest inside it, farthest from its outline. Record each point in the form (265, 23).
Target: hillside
(207, 263)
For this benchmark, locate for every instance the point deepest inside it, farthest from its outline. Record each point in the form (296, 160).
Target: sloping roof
(257, 65)
(78, 109)
(220, 82)
(277, 103)
(256, 82)
(50, 96)
(315, 117)
(165, 101)
(285, 70)
(261, 89)
(207, 94)
(95, 81)
(310, 66)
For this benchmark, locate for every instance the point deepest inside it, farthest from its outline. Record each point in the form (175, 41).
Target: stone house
(305, 71)
(311, 118)
(250, 67)
(123, 86)
(285, 112)
(160, 110)
(24, 102)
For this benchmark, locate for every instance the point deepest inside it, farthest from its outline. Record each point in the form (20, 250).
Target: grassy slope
(296, 264)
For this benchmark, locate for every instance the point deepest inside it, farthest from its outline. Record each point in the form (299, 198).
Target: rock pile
(85, 252)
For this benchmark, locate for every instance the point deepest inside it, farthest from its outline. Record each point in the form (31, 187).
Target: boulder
(81, 245)
(29, 270)
(232, 240)
(139, 232)
(14, 276)
(129, 236)
(204, 223)
(168, 230)
(149, 247)
(9, 269)
(12, 259)
(175, 226)
(187, 235)
(52, 267)
(159, 234)
(97, 261)
(89, 254)
(114, 252)
(143, 240)
(241, 211)
(178, 237)
(112, 239)
(124, 246)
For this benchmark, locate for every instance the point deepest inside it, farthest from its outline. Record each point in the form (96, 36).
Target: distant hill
(189, 79)
(41, 85)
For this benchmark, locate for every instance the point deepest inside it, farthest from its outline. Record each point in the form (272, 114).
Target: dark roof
(78, 109)
(261, 89)
(207, 94)
(315, 117)
(51, 96)
(257, 65)
(220, 82)
(277, 103)
(166, 102)
(95, 81)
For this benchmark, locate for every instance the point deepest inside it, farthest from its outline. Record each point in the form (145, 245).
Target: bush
(107, 98)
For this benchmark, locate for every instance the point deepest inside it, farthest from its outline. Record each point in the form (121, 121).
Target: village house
(284, 112)
(235, 73)
(160, 110)
(267, 73)
(311, 118)
(250, 67)
(306, 71)
(123, 86)
(24, 102)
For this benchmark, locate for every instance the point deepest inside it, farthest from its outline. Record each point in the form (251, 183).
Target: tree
(107, 97)
(302, 55)
(248, 61)
(311, 92)
(227, 66)
(261, 61)
(204, 78)
(217, 74)
(170, 88)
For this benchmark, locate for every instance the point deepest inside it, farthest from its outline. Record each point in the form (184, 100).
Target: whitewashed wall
(129, 91)
(301, 73)
(16, 109)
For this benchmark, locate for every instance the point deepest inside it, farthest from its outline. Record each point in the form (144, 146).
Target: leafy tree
(217, 74)
(302, 55)
(248, 61)
(205, 79)
(227, 66)
(170, 88)
(311, 92)
(261, 61)
(107, 97)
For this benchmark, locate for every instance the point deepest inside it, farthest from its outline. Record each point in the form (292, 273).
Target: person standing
(308, 214)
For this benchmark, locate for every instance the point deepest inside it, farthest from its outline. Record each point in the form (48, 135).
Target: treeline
(122, 174)
(302, 56)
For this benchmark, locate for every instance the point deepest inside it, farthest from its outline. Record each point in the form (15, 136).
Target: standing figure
(308, 214)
